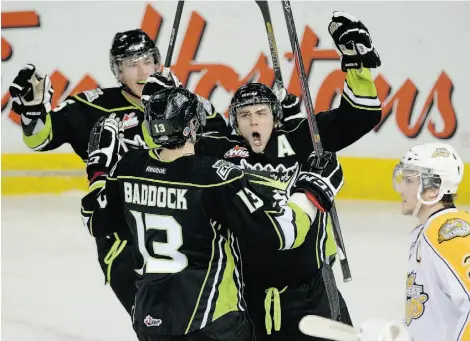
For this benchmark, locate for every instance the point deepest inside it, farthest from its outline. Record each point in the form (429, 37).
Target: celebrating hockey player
(184, 211)
(133, 57)
(438, 279)
(278, 294)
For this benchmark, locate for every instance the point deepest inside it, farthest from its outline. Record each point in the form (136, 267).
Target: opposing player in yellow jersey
(438, 279)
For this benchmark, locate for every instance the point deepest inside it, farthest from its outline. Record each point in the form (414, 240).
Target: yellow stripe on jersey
(38, 140)
(449, 236)
(227, 299)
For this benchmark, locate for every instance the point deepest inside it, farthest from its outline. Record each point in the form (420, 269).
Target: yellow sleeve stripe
(39, 140)
(452, 245)
(365, 101)
(102, 108)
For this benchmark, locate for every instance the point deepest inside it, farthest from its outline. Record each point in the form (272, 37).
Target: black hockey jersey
(185, 217)
(71, 122)
(286, 150)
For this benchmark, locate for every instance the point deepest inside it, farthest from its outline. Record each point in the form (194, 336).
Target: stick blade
(317, 326)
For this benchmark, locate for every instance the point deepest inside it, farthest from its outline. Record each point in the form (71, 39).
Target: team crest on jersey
(151, 322)
(453, 228)
(280, 172)
(91, 95)
(415, 299)
(237, 151)
(130, 121)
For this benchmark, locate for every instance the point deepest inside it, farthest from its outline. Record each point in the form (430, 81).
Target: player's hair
(448, 200)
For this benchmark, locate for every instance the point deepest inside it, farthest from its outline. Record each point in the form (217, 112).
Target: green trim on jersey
(302, 221)
(182, 183)
(101, 108)
(41, 137)
(227, 290)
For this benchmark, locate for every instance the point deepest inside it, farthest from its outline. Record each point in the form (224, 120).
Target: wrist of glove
(158, 81)
(320, 178)
(290, 104)
(104, 147)
(31, 95)
(353, 41)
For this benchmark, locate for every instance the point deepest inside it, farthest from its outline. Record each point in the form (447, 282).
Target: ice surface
(53, 288)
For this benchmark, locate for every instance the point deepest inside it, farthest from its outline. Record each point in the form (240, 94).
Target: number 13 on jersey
(171, 260)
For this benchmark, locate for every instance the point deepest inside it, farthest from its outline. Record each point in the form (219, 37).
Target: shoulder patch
(453, 228)
(224, 168)
(91, 95)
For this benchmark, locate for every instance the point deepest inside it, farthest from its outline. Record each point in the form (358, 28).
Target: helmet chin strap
(422, 202)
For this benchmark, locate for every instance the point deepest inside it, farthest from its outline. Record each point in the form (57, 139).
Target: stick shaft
(313, 126)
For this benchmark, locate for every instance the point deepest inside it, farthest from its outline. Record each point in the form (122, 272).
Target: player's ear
(431, 194)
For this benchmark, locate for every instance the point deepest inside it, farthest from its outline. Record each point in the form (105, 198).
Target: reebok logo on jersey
(130, 121)
(415, 299)
(156, 170)
(151, 322)
(237, 151)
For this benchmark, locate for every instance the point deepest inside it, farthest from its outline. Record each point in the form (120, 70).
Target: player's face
(134, 72)
(255, 124)
(408, 187)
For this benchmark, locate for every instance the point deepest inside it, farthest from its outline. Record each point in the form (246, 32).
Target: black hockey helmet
(254, 93)
(133, 44)
(171, 115)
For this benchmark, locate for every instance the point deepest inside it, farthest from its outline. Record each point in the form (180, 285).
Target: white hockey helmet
(438, 166)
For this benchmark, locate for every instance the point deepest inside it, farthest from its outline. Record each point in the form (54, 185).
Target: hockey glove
(31, 96)
(290, 105)
(104, 146)
(320, 179)
(159, 81)
(353, 41)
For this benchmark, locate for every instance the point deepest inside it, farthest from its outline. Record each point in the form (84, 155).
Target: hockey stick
(263, 6)
(174, 33)
(324, 328)
(317, 146)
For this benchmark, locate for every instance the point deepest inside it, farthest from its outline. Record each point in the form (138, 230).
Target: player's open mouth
(142, 82)
(256, 139)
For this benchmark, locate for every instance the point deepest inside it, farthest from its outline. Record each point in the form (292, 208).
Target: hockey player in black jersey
(187, 213)
(278, 294)
(133, 58)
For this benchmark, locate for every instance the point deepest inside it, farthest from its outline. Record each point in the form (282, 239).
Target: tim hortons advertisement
(423, 83)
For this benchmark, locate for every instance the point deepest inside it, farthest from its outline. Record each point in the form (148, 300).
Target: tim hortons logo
(398, 100)
(237, 151)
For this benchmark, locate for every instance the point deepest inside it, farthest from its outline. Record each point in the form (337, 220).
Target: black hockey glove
(320, 179)
(104, 146)
(159, 81)
(290, 104)
(353, 41)
(31, 96)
